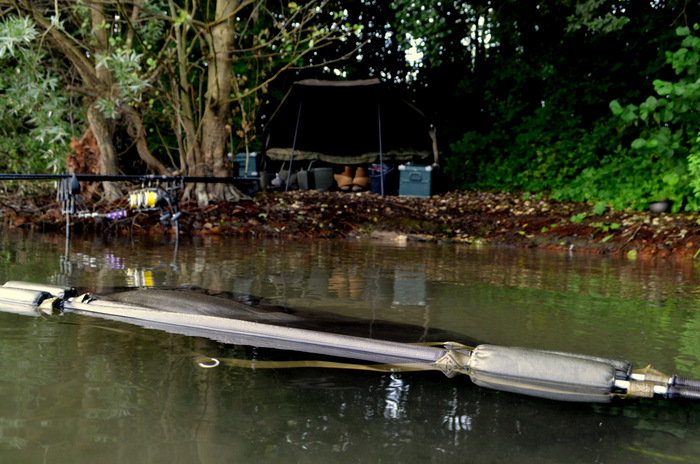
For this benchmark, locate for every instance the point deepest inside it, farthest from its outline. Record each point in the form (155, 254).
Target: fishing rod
(158, 193)
(545, 374)
(135, 178)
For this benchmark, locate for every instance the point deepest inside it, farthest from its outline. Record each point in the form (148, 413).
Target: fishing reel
(163, 199)
(154, 195)
(148, 199)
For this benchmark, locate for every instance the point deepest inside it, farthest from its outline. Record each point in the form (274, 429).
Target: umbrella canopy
(347, 123)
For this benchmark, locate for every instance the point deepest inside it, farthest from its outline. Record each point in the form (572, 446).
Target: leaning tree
(178, 81)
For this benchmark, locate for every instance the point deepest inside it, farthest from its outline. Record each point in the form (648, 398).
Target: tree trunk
(138, 133)
(217, 109)
(191, 162)
(101, 126)
(104, 131)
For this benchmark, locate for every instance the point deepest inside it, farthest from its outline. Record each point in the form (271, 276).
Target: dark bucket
(387, 174)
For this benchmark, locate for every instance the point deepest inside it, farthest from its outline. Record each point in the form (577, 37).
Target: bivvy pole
(545, 374)
(294, 144)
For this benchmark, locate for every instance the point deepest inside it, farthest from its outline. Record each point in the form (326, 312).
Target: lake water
(80, 390)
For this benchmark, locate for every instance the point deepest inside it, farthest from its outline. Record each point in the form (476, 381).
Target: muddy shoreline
(518, 220)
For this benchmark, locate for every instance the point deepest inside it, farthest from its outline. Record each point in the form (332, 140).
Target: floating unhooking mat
(546, 374)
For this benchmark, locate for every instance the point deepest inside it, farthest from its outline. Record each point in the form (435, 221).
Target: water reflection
(644, 310)
(351, 270)
(395, 391)
(496, 295)
(80, 390)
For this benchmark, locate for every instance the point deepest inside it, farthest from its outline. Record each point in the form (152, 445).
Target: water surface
(77, 389)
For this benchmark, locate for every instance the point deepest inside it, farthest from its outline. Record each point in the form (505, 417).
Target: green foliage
(694, 167)
(545, 151)
(547, 120)
(666, 128)
(669, 120)
(599, 209)
(686, 99)
(15, 35)
(129, 55)
(129, 80)
(603, 227)
(591, 14)
(624, 180)
(540, 124)
(34, 113)
(436, 23)
(578, 218)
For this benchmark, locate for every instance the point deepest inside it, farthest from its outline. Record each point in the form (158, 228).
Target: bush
(644, 153)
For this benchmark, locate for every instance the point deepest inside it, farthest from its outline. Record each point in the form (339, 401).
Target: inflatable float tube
(540, 373)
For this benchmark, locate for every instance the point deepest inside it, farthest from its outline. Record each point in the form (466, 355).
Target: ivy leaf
(616, 108)
(630, 113)
(682, 31)
(663, 87)
(671, 178)
(639, 143)
(599, 209)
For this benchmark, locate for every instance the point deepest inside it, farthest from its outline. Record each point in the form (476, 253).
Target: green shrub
(644, 153)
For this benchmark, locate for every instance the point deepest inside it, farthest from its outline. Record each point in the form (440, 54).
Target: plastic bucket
(306, 180)
(383, 174)
(322, 178)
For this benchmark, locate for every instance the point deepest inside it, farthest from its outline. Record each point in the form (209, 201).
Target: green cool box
(415, 180)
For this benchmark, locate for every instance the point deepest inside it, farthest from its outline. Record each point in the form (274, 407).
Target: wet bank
(519, 220)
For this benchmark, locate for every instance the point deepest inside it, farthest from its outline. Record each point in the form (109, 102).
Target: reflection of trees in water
(579, 273)
(500, 295)
(573, 302)
(302, 268)
(104, 388)
(127, 395)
